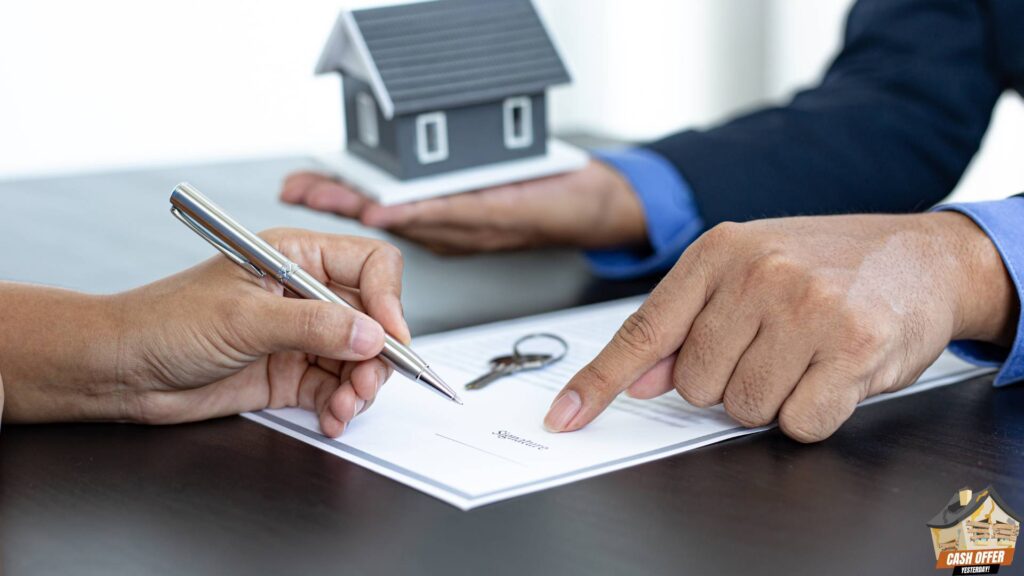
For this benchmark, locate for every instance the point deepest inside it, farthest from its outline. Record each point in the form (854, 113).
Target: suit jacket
(891, 128)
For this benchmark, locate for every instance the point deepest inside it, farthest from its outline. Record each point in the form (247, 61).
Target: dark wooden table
(229, 496)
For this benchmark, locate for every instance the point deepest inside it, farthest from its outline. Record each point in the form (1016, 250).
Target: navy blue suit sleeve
(891, 128)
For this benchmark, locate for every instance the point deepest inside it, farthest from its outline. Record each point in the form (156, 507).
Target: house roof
(954, 513)
(444, 53)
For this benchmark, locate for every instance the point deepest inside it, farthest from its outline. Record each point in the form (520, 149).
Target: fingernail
(382, 375)
(359, 407)
(366, 336)
(401, 318)
(563, 411)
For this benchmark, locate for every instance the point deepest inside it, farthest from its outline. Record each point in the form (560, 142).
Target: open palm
(590, 208)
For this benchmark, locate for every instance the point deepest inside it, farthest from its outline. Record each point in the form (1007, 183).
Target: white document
(495, 447)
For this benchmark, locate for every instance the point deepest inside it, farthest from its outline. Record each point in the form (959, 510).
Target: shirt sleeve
(1003, 221)
(671, 215)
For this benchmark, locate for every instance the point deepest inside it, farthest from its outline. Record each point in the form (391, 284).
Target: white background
(110, 84)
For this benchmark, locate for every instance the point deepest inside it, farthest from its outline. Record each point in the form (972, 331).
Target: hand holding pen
(208, 341)
(213, 340)
(259, 258)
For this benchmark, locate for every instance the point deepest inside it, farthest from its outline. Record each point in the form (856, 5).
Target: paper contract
(494, 447)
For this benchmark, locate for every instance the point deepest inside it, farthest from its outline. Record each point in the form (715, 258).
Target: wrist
(128, 372)
(98, 390)
(619, 215)
(984, 297)
(60, 356)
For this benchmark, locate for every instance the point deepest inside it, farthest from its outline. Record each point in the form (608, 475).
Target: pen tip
(432, 379)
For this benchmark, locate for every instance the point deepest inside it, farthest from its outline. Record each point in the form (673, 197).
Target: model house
(971, 521)
(445, 85)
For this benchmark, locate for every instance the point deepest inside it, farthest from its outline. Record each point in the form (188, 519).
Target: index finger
(371, 266)
(654, 332)
(298, 184)
(323, 193)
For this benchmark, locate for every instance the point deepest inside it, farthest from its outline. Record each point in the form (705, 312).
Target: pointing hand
(801, 319)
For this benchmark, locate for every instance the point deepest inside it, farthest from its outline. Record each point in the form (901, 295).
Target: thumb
(324, 329)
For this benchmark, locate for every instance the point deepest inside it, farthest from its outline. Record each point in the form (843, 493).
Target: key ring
(541, 336)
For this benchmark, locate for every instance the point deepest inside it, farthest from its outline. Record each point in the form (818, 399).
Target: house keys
(521, 359)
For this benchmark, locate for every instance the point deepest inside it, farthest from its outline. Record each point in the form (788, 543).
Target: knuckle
(818, 416)
(821, 293)
(746, 404)
(392, 252)
(693, 392)
(771, 267)
(393, 255)
(888, 377)
(721, 235)
(802, 426)
(864, 337)
(700, 348)
(381, 248)
(638, 333)
(295, 244)
(712, 249)
(885, 332)
(343, 406)
(690, 379)
(275, 234)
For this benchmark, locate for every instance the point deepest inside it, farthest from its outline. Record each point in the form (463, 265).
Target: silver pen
(261, 259)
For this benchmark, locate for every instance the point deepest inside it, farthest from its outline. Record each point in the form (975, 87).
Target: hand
(210, 341)
(214, 340)
(801, 319)
(592, 208)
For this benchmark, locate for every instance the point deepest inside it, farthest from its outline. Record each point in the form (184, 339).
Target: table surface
(230, 496)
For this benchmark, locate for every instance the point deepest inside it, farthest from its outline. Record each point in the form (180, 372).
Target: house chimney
(965, 496)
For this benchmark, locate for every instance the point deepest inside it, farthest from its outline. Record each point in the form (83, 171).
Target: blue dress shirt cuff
(670, 212)
(1003, 221)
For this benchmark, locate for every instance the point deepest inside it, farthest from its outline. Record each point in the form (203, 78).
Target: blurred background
(114, 84)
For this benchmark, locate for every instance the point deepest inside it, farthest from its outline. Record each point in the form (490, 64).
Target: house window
(518, 122)
(431, 137)
(366, 118)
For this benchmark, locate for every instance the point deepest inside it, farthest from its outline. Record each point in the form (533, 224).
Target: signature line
(479, 449)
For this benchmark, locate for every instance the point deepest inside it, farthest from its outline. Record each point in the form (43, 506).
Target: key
(497, 371)
(526, 362)
(507, 365)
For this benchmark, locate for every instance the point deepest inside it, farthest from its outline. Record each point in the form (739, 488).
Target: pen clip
(217, 243)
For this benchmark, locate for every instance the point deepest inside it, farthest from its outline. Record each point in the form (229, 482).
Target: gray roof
(954, 513)
(445, 53)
